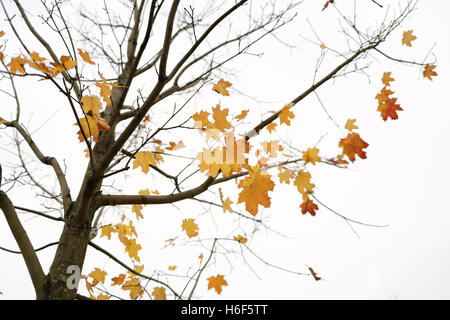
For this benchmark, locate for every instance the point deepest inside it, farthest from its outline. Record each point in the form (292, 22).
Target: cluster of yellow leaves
(387, 105)
(217, 282)
(125, 233)
(144, 159)
(92, 122)
(226, 159)
(133, 283)
(255, 188)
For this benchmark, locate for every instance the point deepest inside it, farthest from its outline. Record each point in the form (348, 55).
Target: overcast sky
(404, 183)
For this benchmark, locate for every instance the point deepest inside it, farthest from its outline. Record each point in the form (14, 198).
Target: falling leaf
(217, 283)
(159, 293)
(255, 189)
(310, 156)
(220, 116)
(221, 87)
(389, 108)
(117, 281)
(350, 125)
(408, 37)
(286, 114)
(85, 56)
(428, 71)
(242, 115)
(190, 227)
(353, 145)
(386, 79)
(241, 239)
(98, 276)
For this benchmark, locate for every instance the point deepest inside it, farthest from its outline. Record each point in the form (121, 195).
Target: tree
(129, 77)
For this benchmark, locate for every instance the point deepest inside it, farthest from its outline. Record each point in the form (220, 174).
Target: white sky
(404, 182)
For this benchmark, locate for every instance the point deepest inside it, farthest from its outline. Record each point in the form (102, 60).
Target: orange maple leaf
(286, 114)
(98, 276)
(303, 182)
(386, 79)
(220, 116)
(383, 95)
(255, 189)
(428, 71)
(134, 286)
(117, 281)
(271, 127)
(242, 115)
(310, 156)
(221, 87)
(389, 108)
(217, 283)
(85, 56)
(309, 206)
(68, 63)
(353, 145)
(200, 119)
(240, 238)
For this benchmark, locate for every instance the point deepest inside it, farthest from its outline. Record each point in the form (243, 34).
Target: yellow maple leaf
(159, 293)
(255, 189)
(303, 182)
(350, 125)
(91, 104)
(102, 296)
(310, 156)
(221, 87)
(386, 79)
(220, 116)
(134, 286)
(132, 248)
(89, 127)
(16, 65)
(217, 282)
(200, 119)
(190, 227)
(85, 56)
(137, 209)
(35, 56)
(144, 159)
(286, 114)
(408, 37)
(271, 127)
(226, 205)
(107, 230)
(286, 176)
(68, 63)
(98, 276)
